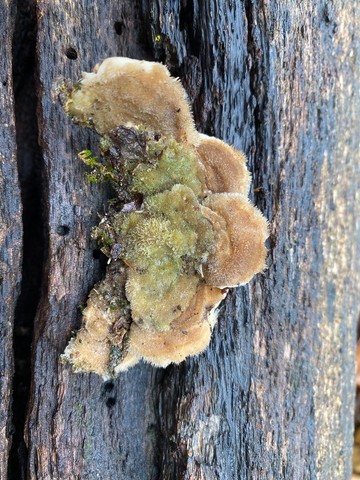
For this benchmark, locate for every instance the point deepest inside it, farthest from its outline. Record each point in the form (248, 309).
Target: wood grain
(10, 233)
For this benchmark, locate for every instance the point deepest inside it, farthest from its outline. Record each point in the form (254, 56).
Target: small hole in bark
(96, 253)
(119, 27)
(4, 83)
(108, 386)
(71, 53)
(62, 230)
(110, 402)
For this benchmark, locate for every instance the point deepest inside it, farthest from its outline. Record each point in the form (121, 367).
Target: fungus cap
(88, 354)
(154, 307)
(128, 92)
(224, 167)
(241, 231)
(189, 334)
(89, 351)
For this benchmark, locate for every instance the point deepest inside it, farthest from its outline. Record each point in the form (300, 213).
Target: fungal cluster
(179, 232)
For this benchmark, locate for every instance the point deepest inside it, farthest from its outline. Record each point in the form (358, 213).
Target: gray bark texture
(10, 234)
(273, 395)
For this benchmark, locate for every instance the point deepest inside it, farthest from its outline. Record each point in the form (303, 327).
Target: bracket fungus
(180, 230)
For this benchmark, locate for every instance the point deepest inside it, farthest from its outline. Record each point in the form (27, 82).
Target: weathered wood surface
(10, 233)
(272, 398)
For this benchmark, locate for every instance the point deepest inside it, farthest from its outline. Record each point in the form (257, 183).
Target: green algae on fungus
(179, 231)
(171, 298)
(165, 245)
(170, 163)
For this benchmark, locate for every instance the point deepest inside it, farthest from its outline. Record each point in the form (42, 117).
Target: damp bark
(273, 396)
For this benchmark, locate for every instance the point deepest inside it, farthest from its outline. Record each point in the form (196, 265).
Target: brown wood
(10, 233)
(273, 396)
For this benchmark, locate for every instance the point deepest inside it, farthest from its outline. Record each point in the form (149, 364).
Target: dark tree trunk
(273, 396)
(10, 233)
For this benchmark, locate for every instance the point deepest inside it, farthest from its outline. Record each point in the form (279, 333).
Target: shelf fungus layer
(179, 232)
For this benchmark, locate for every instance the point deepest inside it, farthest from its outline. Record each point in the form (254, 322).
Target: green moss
(164, 245)
(159, 166)
(170, 229)
(168, 163)
(99, 171)
(105, 235)
(165, 238)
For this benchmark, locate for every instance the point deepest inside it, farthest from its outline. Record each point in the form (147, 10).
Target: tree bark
(10, 233)
(273, 395)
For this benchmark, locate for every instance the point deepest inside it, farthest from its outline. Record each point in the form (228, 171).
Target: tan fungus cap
(241, 233)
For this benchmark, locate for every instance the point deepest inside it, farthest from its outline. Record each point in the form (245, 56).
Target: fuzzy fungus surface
(179, 232)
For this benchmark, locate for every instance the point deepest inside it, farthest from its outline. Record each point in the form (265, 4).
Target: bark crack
(34, 245)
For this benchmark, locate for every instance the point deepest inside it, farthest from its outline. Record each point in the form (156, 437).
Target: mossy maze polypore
(180, 231)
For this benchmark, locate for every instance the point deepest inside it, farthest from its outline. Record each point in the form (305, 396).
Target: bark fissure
(29, 158)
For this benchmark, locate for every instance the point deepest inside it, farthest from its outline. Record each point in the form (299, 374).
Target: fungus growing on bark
(224, 167)
(134, 93)
(106, 321)
(179, 231)
(189, 334)
(241, 231)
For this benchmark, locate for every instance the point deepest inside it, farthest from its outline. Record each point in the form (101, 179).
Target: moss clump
(151, 166)
(168, 163)
(164, 245)
(99, 171)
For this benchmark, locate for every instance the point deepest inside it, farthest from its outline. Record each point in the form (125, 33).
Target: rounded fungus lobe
(241, 231)
(189, 335)
(224, 167)
(90, 350)
(133, 93)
